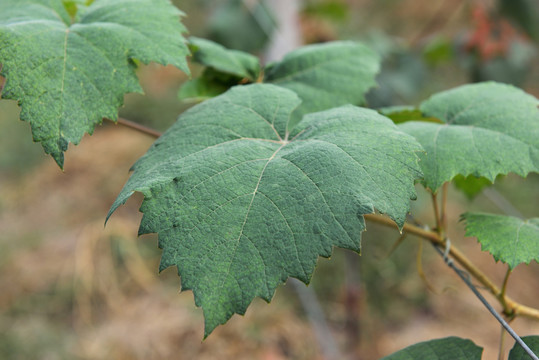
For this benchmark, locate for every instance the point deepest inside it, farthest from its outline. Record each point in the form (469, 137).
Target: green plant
(279, 163)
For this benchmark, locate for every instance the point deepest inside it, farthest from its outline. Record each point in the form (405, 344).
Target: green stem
(501, 296)
(439, 226)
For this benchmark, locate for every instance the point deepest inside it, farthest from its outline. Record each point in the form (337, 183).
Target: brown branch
(511, 307)
(138, 127)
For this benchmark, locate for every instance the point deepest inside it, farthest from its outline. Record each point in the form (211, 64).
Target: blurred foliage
(335, 10)
(18, 153)
(470, 185)
(241, 25)
(523, 13)
(438, 50)
(403, 73)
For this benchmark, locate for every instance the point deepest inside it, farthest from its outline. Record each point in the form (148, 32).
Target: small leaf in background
(489, 129)
(224, 68)
(438, 50)
(518, 353)
(200, 89)
(451, 348)
(471, 185)
(335, 10)
(326, 75)
(242, 25)
(233, 62)
(241, 201)
(68, 77)
(512, 240)
(403, 113)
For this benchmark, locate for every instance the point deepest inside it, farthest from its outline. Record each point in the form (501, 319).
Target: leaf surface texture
(489, 129)
(241, 202)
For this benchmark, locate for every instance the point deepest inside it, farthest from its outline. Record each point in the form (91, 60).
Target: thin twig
(136, 126)
(502, 203)
(419, 265)
(512, 307)
(465, 277)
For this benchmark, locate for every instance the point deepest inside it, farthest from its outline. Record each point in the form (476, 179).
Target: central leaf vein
(247, 213)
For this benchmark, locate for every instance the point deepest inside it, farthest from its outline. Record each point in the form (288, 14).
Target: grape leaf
(489, 129)
(234, 62)
(326, 75)
(451, 348)
(68, 76)
(518, 353)
(509, 239)
(241, 201)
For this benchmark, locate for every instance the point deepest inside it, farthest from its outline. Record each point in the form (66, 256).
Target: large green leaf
(509, 239)
(241, 201)
(489, 129)
(326, 75)
(68, 77)
(518, 353)
(451, 348)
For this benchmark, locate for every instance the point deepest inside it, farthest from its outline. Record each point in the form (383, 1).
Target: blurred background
(72, 289)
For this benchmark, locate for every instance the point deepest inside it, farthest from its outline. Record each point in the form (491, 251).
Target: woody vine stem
(511, 308)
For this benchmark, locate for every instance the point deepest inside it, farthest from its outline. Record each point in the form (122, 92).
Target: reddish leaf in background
(492, 35)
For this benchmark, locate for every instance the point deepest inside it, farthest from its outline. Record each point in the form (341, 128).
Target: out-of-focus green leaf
(242, 25)
(512, 240)
(335, 10)
(451, 348)
(201, 89)
(234, 62)
(524, 13)
(326, 75)
(438, 50)
(489, 129)
(400, 114)
(518, 353)
(471, 185)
